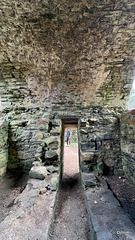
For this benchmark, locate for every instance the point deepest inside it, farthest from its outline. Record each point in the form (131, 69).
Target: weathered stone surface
(52, 169)
(22, 224)
(54, 182)
(36, 163)
(100, 139)
(127, 128)
(107, 224)
(3, 170)
(53, 141)
(98, 123)
(89, 179)
(83, 49)
(100, 134)
(51, 155)
(62, 60)
(38, 136)
(87, 156)
(75, 72)
(3, 147)
(38, 172)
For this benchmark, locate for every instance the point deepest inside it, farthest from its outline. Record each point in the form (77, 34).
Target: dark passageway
(70, 220)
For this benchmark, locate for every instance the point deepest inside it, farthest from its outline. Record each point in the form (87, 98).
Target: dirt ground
(71, 220)
(122, 189)
(11, 186)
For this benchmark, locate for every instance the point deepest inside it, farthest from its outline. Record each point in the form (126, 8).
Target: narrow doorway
(70, 156)
(70, 218)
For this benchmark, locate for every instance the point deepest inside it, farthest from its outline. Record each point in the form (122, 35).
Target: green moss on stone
(100, 168)
(13, 162)
(3, 158)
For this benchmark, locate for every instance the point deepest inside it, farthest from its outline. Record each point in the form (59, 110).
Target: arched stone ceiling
(67, 52)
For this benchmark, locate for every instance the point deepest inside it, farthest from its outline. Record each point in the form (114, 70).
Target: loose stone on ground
(31, 214)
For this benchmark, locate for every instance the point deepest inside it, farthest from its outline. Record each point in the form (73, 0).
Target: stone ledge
(108, 218)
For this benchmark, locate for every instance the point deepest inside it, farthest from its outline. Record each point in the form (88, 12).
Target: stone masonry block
(87, 156)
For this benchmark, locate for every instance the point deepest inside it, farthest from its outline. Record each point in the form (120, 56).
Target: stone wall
(127, 123)
(65, 59)
(13, 88)
(3, 147)
(106, 139)
(100, 143)
(35, 135)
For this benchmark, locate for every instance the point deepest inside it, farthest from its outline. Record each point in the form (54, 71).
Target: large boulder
(38, 172)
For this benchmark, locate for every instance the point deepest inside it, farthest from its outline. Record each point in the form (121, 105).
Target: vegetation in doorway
(74, 137)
